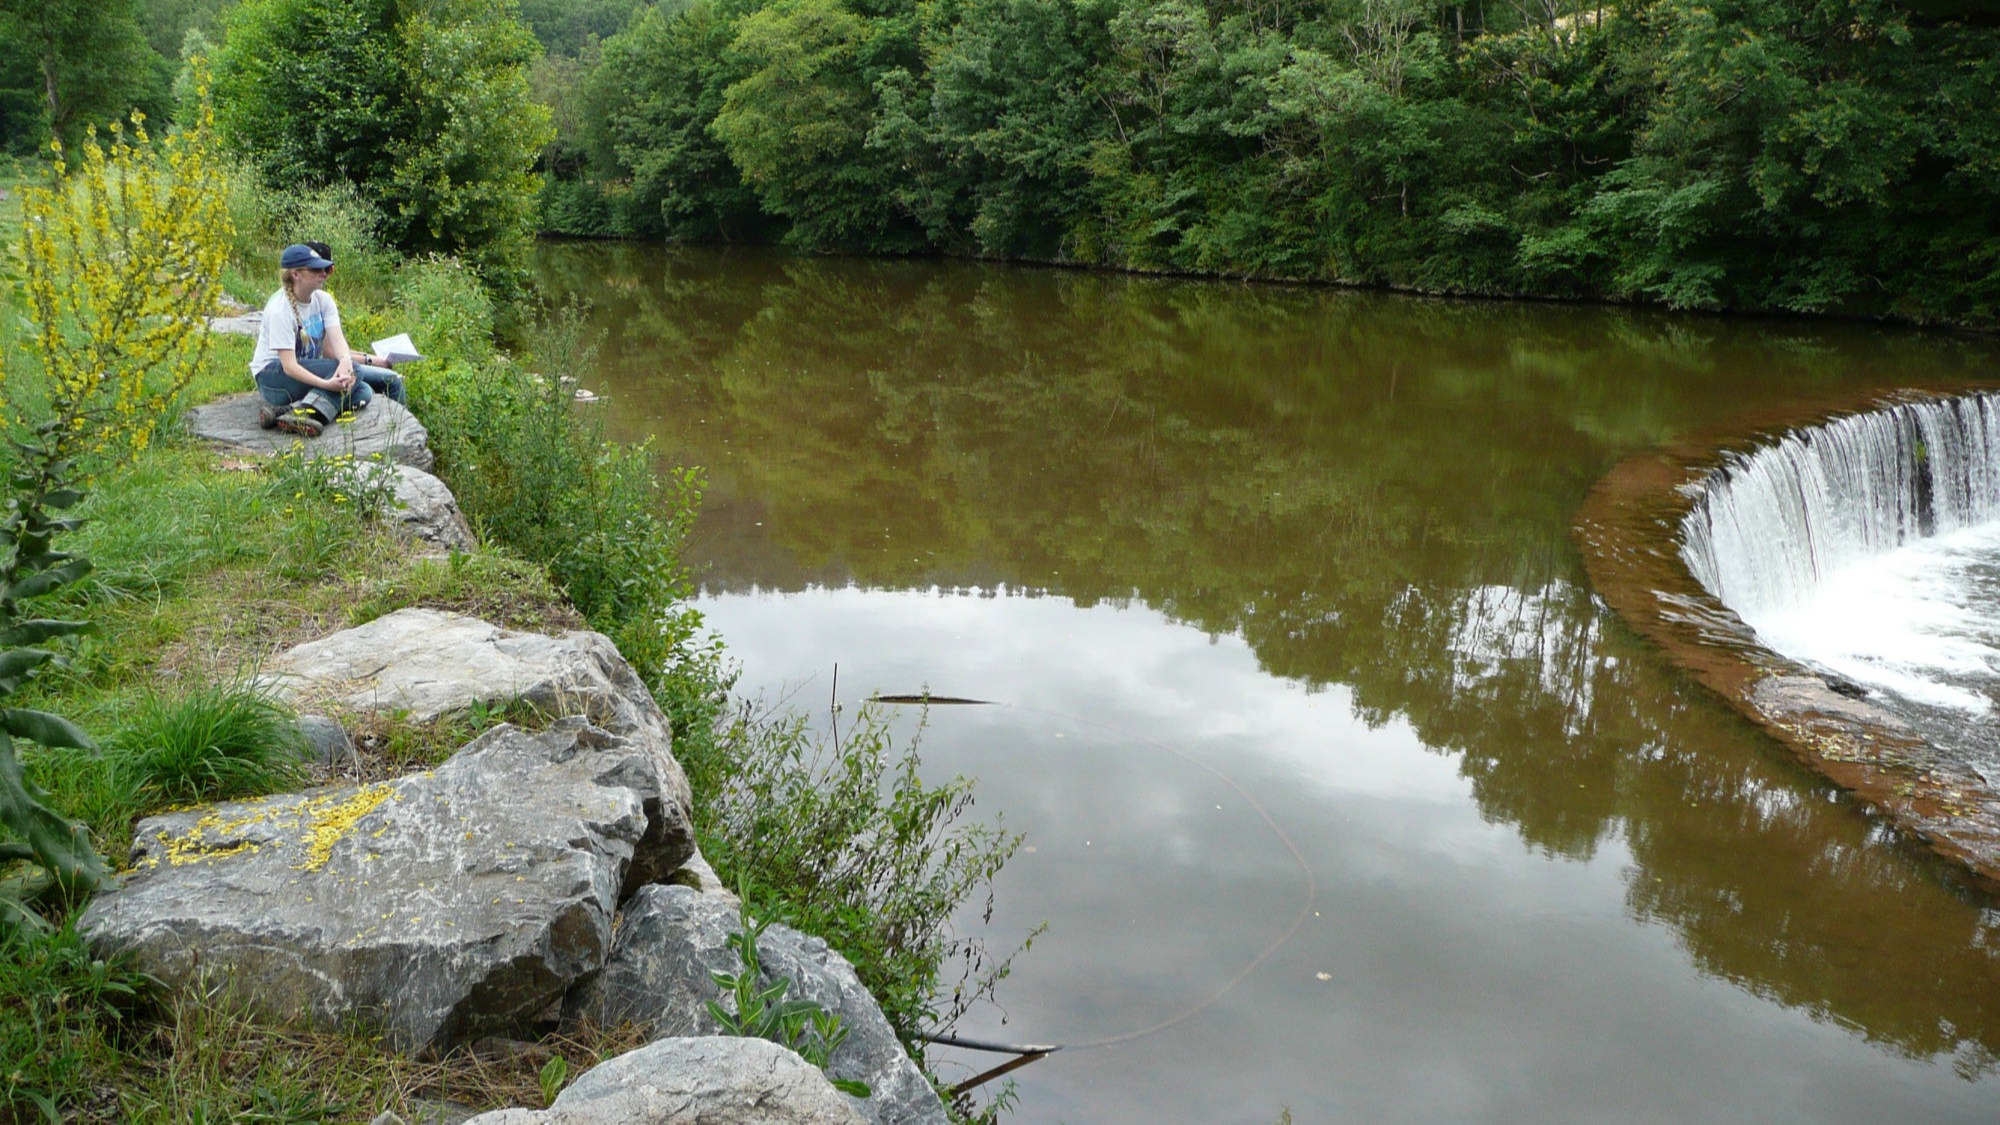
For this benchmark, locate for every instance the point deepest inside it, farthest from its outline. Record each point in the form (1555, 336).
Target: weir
(1868, 546)
(1771, 524)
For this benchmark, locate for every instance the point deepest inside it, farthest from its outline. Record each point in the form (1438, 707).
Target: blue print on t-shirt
(315, 332)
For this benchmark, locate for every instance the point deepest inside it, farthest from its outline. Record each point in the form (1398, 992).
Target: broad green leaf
(53, 578)
(17, 663)
(61, 848)
(36, 630)
(41, 727)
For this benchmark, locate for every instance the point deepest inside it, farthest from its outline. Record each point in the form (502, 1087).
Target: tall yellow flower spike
(123, 256)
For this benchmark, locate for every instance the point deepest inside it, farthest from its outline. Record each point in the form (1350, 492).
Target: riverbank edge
(1626, 531)
(693, 873)
(1975, 329)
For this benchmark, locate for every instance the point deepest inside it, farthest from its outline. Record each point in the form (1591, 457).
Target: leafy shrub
(535, 474)
(424, 108)
(122, 254)
(207, 742)
(842, 838)
(760, 1011)
(340, 216)
(447, 310)
(249, 203)
(264, 217)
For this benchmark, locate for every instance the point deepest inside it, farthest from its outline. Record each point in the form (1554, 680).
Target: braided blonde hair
(285, 281)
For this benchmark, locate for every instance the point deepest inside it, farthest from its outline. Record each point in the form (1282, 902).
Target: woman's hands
(341, 379)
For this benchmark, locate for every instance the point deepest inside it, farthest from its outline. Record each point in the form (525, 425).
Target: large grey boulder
(385, 428)
(426, 663)
(704, 1081)
(427, 511)
(670, 938)
(438, 907)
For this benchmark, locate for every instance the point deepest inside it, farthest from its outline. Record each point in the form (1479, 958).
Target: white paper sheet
(395, 349)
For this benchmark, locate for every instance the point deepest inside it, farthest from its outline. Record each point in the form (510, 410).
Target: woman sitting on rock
(370, 369)
(302, 366)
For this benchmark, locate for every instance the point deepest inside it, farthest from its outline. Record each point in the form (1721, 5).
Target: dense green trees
(67, 64)
(1811, 155)
(1814, 155)
(422, 105)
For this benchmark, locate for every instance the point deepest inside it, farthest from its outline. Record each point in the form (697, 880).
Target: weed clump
(206, 742)
(841, 837)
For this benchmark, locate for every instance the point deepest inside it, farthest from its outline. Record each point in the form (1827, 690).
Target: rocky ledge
(518, 886)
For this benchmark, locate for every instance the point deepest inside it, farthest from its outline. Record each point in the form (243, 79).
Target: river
(1333, 773)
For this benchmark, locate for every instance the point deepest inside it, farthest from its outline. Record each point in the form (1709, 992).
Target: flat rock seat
(385, 427)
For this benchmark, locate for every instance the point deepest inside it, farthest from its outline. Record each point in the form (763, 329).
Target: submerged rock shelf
(1712, 547)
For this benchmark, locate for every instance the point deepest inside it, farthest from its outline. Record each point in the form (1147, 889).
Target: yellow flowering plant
(121, 253)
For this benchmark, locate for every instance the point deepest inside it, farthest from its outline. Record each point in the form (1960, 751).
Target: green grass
(60, 1011)
(495, 587)
(171, 518)
(206, 742)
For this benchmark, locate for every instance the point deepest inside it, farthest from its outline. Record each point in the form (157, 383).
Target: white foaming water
(1869, 546)
(1922, 621)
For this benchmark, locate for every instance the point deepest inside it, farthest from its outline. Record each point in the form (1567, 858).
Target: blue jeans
(382, 381)
(280, 389)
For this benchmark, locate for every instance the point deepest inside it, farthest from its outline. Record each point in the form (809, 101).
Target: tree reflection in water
(1373, 492)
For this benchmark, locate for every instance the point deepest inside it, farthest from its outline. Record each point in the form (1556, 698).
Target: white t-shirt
(281, 330)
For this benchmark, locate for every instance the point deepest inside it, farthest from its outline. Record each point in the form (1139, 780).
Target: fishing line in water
(1250, 966)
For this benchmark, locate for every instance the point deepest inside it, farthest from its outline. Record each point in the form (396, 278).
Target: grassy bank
(204, 565)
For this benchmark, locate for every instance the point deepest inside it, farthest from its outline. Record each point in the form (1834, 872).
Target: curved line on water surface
(1250, 966)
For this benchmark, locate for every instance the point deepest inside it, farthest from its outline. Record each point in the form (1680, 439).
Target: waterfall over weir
(1867, 546)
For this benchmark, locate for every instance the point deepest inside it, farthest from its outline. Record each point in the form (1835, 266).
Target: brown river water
(1327, 756)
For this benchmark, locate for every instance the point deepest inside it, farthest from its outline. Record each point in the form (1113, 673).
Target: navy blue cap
(298, 257)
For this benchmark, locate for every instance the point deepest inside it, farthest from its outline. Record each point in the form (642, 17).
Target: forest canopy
(1811, 155)
(1826, 156)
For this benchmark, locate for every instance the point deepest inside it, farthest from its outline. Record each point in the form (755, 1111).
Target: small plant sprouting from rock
(552, 1076)
(762, 1012)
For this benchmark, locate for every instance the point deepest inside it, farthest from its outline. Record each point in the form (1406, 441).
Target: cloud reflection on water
(1470, 976)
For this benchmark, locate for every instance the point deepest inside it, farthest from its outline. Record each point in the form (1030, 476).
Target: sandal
(303, 421)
